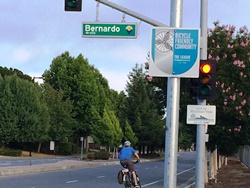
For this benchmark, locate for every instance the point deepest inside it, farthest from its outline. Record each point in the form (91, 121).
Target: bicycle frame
(126, 178)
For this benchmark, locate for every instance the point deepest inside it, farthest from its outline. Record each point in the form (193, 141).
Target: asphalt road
(151, 176)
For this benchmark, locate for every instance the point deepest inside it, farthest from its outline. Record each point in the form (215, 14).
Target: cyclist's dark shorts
(128, 163)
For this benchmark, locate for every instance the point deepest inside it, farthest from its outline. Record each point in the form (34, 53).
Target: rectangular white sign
(201, 114)
(52, 145)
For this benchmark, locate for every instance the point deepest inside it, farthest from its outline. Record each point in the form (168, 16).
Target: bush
(66, 148)
(10, 152)
(103, 155)
(90, 156)
(152, 155)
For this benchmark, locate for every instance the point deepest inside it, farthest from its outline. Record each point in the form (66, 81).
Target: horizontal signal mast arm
(132, 13)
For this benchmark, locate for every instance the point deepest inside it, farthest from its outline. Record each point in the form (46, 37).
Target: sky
(33, 33)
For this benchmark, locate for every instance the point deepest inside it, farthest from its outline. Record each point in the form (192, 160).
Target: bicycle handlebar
(134, 162)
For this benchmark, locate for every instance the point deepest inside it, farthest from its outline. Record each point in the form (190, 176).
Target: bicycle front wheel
(138, 180)
(127, 183)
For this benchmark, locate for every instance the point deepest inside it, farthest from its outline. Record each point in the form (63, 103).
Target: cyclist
(125, 159)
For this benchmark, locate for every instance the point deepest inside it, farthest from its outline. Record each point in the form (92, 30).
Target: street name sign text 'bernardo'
(109, 30)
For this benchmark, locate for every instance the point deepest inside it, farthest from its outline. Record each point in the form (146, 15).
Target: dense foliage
(24, 115)
(94, 103)
(60, 113)
(231, 50)
(142, 112)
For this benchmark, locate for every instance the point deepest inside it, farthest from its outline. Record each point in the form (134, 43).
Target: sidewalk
(234, 174)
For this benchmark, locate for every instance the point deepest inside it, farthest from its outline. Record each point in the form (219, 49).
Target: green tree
(121, 109)
(103, 130)
(107, 131)
(129, 134)
(160, 96)
(60, 112)
(185, 139)
(142, 112)
(4, 71)
(24, 113)
(118, 134)
(8, 119)
(32, 113)
(120, 106)
(75, 77)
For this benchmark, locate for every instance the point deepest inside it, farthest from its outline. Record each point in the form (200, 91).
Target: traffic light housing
(204, 87)
(73, 5)
(194, 87)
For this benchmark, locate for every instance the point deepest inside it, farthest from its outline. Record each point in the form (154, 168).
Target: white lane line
(185, 171)
(163, 179)
(73, 181)
(101, 177)
(154, 182)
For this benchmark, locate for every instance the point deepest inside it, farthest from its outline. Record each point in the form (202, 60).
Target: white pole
(173, 98)
(81, 148)
(201, 129)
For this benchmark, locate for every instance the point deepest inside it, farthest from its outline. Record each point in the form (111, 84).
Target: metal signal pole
(173, 100)
(201, 129)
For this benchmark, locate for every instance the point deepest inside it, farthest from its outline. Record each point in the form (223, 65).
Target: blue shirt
(126, 153)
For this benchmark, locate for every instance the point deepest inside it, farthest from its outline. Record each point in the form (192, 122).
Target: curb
(58, 166)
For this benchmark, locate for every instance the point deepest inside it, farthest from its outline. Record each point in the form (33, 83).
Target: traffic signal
(194, 87)
(204, 87)
(73, 5)
(207, 79)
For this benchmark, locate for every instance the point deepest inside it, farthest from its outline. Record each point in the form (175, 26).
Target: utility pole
(173, 100)
(81, 139)
(201, 129)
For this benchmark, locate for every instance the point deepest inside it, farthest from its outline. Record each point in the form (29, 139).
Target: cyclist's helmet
(127, 144)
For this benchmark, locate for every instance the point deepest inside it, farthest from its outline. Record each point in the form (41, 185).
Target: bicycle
(125, 177)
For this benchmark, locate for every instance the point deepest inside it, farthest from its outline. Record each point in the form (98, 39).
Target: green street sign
(109, 30)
